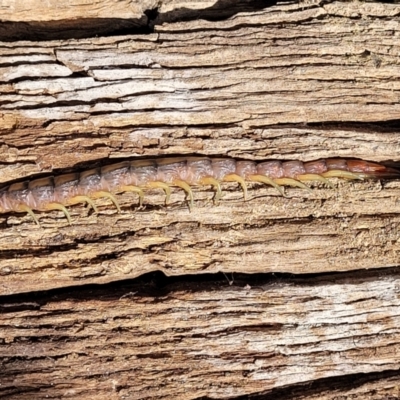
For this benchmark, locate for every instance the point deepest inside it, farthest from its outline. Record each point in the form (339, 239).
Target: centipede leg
(58, 206)
(84, 199)
(267, 181)
(163, 186)
(314, 177)
(108, 195)
(338, 173)
(183, 185)
(237, 178)
(208, 180)
(24, 208)
(134, 189)
(292, 182)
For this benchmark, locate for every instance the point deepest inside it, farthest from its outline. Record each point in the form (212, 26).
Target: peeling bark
(269, 89)
(203, 339)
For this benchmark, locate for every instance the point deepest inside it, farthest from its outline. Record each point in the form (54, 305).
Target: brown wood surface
(289, 81)
(209, 338)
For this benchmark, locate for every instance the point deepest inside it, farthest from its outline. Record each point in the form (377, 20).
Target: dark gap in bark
(222, 9)
(86, 165)
(328, 387)
(91, 27)
(67, 29)
(387, 126)
(158, 285)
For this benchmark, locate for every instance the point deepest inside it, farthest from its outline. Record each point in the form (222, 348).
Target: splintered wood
(209, 89)
(216, 341)
(294, 85)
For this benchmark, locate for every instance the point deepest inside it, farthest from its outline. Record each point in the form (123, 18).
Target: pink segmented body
(58, 192)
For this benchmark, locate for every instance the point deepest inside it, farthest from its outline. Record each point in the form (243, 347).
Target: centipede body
(59, 192)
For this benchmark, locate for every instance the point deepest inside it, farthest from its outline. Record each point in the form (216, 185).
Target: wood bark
(289, 81)
(204, 339)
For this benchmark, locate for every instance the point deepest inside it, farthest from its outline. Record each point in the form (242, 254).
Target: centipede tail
(60, 192)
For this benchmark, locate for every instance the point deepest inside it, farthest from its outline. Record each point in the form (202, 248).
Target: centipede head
(373, 170)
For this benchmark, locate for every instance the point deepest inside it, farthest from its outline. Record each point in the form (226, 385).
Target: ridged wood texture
(186, 341)
(291, 81)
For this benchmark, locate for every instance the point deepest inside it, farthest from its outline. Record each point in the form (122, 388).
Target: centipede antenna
(84, 199)
(58, 206)
(25, 208)
(108, 195)
(314, 177)
(183, 185)
(267, 181)
(208, 180)
(163, 186)
(338, 173)
(237, 178)
(292, 182)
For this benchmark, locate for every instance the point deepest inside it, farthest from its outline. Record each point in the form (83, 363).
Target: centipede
(66, 190)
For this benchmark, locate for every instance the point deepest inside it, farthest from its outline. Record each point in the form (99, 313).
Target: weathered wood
(50, 20)
(202, 339)
(324, 231)
(290, 81)
(205, 88)
(207, 92)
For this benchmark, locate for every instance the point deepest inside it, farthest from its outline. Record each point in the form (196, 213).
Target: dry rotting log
(291, 81)
(325, 230)
(37, 21)
(267, 84)
(206, 339)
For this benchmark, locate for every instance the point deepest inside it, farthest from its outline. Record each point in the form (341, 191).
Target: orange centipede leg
(267, 181)
(237, 178)
(338, 173)
(183, 185)
(134, 189)
(108, 195)
(292, 182)
(163, 186)
(314, 177)
(83, 199)
(25, 208)
(60, 207)
(208, 180)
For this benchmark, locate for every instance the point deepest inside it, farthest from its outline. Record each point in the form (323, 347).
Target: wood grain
(239, 90)
(134, 341)
(264, 91)
(249, 80)
(329, 230)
